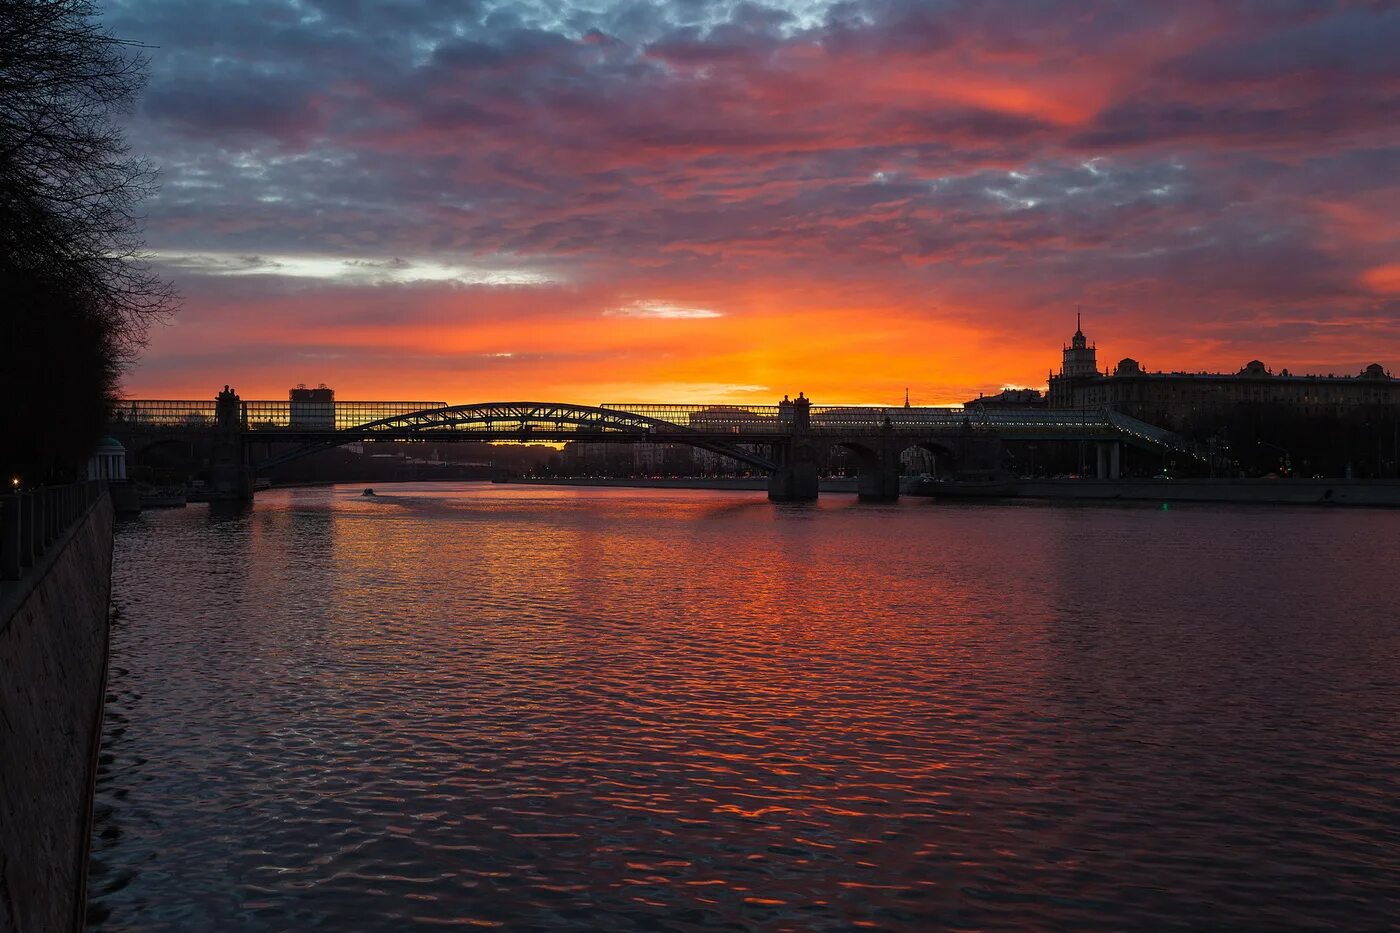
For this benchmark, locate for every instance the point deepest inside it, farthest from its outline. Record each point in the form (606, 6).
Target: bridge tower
(795, 480)
(230, 476)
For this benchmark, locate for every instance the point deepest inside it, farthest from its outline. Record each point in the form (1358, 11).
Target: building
(1177, 398)
(312, 409)
(1009, 400)
(108, 461)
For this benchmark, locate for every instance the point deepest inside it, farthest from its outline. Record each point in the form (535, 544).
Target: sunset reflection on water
(604, 708)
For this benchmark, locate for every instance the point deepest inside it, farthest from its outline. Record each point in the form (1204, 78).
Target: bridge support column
(1109, 460)
(880, 484)
(230, 476)
(879, 476)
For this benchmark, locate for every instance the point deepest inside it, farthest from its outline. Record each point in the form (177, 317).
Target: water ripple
(487, 706)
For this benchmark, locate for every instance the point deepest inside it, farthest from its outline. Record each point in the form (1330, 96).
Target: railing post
(28, 529)
(40, 521)
(37, 523)
(9, 537)
(43, 511)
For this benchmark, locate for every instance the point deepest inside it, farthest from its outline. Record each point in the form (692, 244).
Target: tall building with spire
(1080, 362)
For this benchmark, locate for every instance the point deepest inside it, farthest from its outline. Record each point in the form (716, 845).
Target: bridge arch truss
(517, 421)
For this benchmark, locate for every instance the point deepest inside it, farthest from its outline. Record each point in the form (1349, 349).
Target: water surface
(566, 708)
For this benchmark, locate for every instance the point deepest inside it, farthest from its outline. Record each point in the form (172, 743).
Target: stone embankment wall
(53, 671)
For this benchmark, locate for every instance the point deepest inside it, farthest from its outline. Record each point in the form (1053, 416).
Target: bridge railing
(1169, 440)
(898, 417)
(844, 419)
(32, 520)
(261, 415)
(718, 419)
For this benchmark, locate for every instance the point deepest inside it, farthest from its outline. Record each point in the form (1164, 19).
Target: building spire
(1078, 320)
(906, 396)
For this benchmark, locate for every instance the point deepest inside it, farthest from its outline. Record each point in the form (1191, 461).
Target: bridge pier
(795, 480)
(230, 476)
(1110, 460)
(797, 483)
(230, 473)
(880, 484)
(878, 480)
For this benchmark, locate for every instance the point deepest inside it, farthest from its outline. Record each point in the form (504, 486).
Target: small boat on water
(368, 492)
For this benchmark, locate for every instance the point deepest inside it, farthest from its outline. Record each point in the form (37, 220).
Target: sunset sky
(688, 201)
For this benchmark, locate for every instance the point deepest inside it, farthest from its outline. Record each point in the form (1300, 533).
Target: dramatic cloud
(466, 200)
(345, 270)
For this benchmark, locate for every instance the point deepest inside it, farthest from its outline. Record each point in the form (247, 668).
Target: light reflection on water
(609, 708)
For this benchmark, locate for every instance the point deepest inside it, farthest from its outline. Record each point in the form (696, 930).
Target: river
(573, 708)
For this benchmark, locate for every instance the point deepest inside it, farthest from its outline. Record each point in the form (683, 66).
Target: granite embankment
(53, 671)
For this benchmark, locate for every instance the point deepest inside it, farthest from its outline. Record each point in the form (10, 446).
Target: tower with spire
(1080, 357)
(1080, 361)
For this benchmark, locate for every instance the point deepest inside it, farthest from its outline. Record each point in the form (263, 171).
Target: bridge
(781, 440)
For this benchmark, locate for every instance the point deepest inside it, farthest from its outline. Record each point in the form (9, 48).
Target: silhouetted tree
(78, 296)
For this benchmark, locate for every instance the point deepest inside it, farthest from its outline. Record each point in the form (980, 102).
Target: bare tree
(80, 295)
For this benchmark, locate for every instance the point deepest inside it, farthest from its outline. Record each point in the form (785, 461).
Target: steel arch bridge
(780, 440)
(518, 421)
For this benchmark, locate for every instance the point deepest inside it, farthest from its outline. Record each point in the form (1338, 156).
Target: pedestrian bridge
(777, 439)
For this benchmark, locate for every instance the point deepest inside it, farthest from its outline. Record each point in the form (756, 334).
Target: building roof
(1252, 370)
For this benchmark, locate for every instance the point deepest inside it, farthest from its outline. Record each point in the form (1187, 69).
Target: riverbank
(1353, 492)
